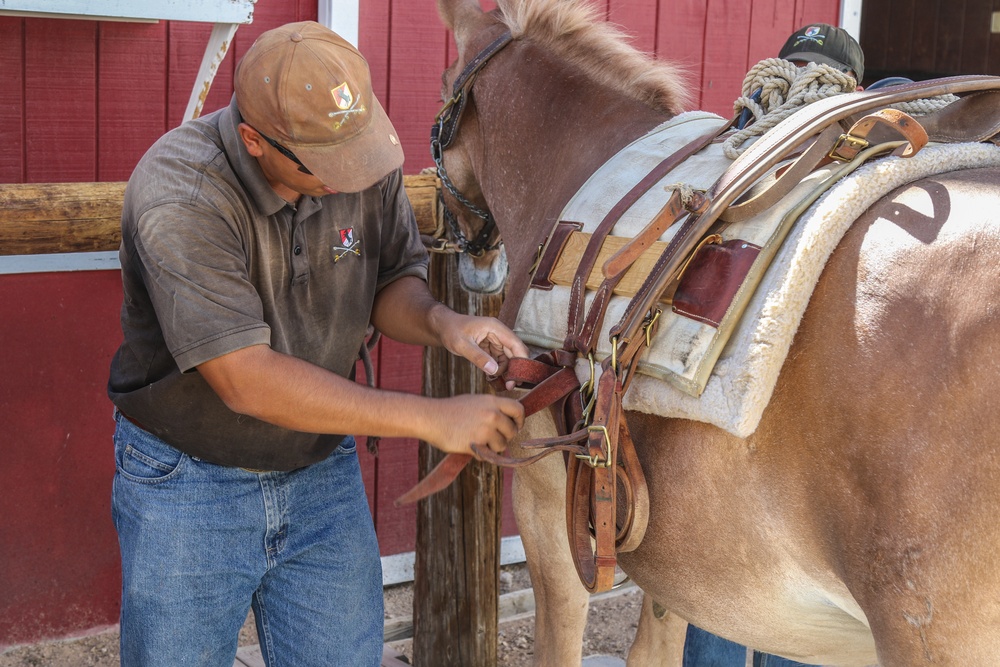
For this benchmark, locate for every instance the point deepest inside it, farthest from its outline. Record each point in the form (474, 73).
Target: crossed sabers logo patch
(812, 34)
(348, 245)
(347, 103)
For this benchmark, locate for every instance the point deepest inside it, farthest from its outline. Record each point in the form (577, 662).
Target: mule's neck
(545, 129)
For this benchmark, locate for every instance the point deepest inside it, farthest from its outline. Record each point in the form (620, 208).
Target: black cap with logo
(824, 43)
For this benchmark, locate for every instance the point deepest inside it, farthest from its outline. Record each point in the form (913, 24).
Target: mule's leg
(659, 640)
(560, 599)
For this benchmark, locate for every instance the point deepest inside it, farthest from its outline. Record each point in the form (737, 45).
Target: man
(258, 243)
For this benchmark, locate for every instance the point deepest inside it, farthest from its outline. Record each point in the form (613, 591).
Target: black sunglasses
(284, 151)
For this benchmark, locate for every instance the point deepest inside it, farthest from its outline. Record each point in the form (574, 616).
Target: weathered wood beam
(45, 218)
(456, 573)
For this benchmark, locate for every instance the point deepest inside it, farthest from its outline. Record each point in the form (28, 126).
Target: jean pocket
(347, 446)
(146, 460)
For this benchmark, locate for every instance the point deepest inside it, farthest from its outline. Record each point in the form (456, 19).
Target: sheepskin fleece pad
(743, 378)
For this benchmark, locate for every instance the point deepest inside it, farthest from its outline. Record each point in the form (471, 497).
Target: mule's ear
(459, 16)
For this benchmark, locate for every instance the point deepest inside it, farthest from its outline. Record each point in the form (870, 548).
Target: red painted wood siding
(82, 101)
(929, 38)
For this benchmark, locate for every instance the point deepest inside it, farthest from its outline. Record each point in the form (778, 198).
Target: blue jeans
(201, 544)
(703, 649)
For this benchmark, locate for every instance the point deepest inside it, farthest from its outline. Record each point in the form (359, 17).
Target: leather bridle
(443, 133)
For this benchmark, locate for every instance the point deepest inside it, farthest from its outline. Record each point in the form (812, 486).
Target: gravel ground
(610, 629)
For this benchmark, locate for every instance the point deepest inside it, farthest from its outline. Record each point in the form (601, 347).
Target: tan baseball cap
(308, 89)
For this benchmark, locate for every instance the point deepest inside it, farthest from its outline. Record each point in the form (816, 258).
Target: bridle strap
(451, 113)
(443, 133)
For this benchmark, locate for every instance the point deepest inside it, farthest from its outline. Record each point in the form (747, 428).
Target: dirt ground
(611, 627)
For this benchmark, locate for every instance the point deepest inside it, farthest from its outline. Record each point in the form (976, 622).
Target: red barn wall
(82, 101)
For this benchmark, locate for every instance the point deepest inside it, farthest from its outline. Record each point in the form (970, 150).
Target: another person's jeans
(201, 543)
(703, 649)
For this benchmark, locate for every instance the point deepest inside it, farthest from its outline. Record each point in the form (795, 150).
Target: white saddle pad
(741, 382)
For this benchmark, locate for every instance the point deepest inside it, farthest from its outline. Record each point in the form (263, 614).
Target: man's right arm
(297, 395)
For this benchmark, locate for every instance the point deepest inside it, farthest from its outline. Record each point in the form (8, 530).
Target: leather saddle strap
(633, 501)
(443, 474)
(844, 149)
(574, 338)
(622, 260)
(591, 493)
(806, 122)
(615, 268)
(553, 383)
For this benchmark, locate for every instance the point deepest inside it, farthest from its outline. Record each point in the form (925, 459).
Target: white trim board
(217, 11)
(341, 16)
(398, 568)
(59, 262)
(850, 17)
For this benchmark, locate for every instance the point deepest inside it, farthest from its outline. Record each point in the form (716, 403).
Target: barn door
(924, 39)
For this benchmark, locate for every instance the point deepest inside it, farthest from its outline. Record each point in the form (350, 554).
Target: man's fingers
(513, 409)
(483, 361)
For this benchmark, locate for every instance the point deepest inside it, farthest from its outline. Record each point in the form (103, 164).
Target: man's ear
(251, 139)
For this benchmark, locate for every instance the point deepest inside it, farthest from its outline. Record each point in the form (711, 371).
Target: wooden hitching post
(457, 565)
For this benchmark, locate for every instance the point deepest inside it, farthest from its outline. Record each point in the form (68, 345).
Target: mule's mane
(575, 31)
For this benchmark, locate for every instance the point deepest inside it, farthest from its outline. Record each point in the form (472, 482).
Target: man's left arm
(406, 311)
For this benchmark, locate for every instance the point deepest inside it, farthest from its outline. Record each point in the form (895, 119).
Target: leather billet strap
(600, 526)
(553, 378)
(550, 253)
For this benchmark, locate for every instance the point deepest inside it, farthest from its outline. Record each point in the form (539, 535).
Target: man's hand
(484, 341)
(469, 419)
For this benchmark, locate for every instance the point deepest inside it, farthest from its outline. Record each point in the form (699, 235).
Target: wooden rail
(45, 218)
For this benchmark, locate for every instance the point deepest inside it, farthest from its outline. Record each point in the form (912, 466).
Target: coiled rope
(784, 88)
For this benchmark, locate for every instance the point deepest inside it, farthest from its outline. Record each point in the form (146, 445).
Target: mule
(857, 523)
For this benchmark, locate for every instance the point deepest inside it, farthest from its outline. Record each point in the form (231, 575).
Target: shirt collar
(245, 165)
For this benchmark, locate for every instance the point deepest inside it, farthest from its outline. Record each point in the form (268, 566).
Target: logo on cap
(342, 96)
(812, 34)
(346, 102)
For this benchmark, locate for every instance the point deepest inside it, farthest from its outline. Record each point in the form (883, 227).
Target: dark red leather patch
(710, 282)
(553, 250)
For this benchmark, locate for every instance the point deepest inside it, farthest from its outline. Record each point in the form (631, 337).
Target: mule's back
(867, 497)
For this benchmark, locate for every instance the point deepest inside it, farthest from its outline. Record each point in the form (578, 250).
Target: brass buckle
(588, 391)
(599, 461)
(648, 324)
(856, 144)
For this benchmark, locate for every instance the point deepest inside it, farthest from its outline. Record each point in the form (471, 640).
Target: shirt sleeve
(194, 266)
(401, 253)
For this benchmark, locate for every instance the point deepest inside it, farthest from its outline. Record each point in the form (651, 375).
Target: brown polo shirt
(213, 260)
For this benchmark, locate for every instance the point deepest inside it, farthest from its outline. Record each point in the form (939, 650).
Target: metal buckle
(649, 323)
(599, 461)
(856, 144)
(588, 393)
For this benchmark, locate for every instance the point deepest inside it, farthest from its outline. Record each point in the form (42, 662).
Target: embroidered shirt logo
(348, 245)
(348, 104)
